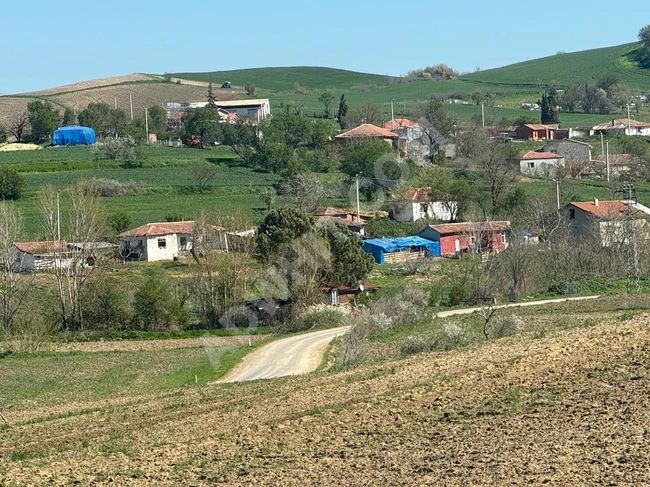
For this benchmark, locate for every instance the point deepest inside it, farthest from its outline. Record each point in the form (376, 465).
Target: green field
(567, 68)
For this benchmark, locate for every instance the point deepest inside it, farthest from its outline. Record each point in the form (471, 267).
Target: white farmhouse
(156, 241)
(40, 256)
(416, 204)
(540, 163)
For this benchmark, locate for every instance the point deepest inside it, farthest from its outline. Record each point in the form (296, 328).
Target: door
(457, 245)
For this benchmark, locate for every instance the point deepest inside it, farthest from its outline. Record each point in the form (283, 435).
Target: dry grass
(570, 408)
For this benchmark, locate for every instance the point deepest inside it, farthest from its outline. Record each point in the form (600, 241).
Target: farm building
(535, 163)
(355, 223)
(40, 256)
(623, 126)
(400, 249)
(417, 204)
(73, 136)
(342, 294)
(455, 238)
(367, 131)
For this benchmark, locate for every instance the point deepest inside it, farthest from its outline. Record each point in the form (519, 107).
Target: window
(572, 214)
(531, 165)
(503, 238)
(252, 112)
(162, 243)
(183, 242)
(424, 208)
(472, 240)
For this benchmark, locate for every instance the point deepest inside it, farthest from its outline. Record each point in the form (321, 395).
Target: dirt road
(290, 356)
(466, 311)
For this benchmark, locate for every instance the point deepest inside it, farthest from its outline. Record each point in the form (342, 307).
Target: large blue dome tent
(73, 136)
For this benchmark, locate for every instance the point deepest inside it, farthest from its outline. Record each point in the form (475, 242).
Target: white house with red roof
(534, 163)
(623, 126)
(608, 220)
(156, 241)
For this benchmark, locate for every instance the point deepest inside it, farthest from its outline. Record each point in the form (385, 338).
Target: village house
(607, 221)
(535, 131)
(575, 153)
(168, 240)
(368, 131)
(455, 238)
(623, 126)
(400, 249)
(534, 163)
(417, 204)
(40, 256)
(355, 223)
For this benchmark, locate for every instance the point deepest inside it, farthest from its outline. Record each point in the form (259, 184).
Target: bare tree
(83, 224)
(14, 286)
(305, 191)
(203, 175)
(18, 125)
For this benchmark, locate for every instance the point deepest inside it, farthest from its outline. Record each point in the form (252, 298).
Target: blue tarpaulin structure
(73, 136)
(378, 247)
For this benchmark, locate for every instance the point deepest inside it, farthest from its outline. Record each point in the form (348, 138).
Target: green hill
(567, 68)
(279, 79)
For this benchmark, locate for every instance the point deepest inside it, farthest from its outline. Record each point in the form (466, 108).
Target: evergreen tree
(549, 107)
(282, 226)
(212, 99)
(343, 111)
(350, 264)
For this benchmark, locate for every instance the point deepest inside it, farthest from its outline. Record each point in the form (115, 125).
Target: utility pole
(607, 160)
(483, 114)
(392, 116)
(131, 104)
(115, 105)
(602, 143)
(146, 123)
(358, 205)
(58, 218)
(557, 192)
(628, 120)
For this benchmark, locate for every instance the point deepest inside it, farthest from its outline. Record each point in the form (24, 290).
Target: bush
(120, 221)
(453, 335)
(504, 325)
(250, 89)
(105, 306)
(352, 349)
(117, 149)
(457, 294)
(3, 135)
(113, 187)
(417, 344)
(404, 307)
(318, 316)
(154, 305)
(174, 216)
(11, 184)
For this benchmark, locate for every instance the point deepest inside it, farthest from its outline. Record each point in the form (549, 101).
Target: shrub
(457, 294)
(117, 149)
(120, 221)
(318, 316)
(504, 325)
(113, 187)
(404, 307)
(250, 89)
(417, 344)
(352, 349)
(154, 305)
(11, 184)
(174, 216)
(3, 135)
(453, 336)
(105, 306)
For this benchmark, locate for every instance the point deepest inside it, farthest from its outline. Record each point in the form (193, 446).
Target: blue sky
(47, 44)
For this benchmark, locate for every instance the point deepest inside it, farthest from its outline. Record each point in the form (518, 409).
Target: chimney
(595, 201)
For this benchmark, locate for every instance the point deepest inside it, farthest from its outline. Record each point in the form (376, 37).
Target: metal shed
(400, 249)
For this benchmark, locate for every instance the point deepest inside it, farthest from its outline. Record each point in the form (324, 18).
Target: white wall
(541, 167)
(412, 212)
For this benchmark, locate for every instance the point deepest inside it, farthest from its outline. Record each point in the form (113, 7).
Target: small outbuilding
(401, 249)
(40, 256)
(73, 136)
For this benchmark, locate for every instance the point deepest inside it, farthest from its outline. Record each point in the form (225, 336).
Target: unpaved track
(290, 356)
(302, 354)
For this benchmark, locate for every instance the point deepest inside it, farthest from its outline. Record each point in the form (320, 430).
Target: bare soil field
(570, 407)
(146, 90)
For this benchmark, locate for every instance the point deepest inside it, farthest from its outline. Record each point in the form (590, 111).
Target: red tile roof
(367, 130)
(164, 228)
(607, 209)
(539, 126)
(531, 154)
(399, 122)
(460, 228)
(41, 247)
(416, 195)
(620, 122)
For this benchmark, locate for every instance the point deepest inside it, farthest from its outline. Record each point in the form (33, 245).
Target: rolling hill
(566, 68)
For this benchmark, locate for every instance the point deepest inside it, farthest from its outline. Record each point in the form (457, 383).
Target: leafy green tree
(268, 195)
(3, 135)
(104, 305)
(68, 118)
(371, 159)
(524, 119)
(326, 98)
(250, 89)
(157, 120)
(349, 263)
(11, 184)
(572, 97)
(342, 111)
(93, 116)
(282, 226)
(204, 123)
(607, 80)
(120, 221)
(43, 118)
(174, 216)
(367, 112)
(154, 305)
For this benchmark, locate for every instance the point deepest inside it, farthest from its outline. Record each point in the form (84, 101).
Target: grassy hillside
(566, 68)
(284, 78)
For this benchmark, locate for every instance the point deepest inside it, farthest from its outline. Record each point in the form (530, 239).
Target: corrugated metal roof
(460, 228)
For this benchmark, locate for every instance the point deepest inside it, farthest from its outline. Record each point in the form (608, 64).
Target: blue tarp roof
(396, 243)
(73, 136)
